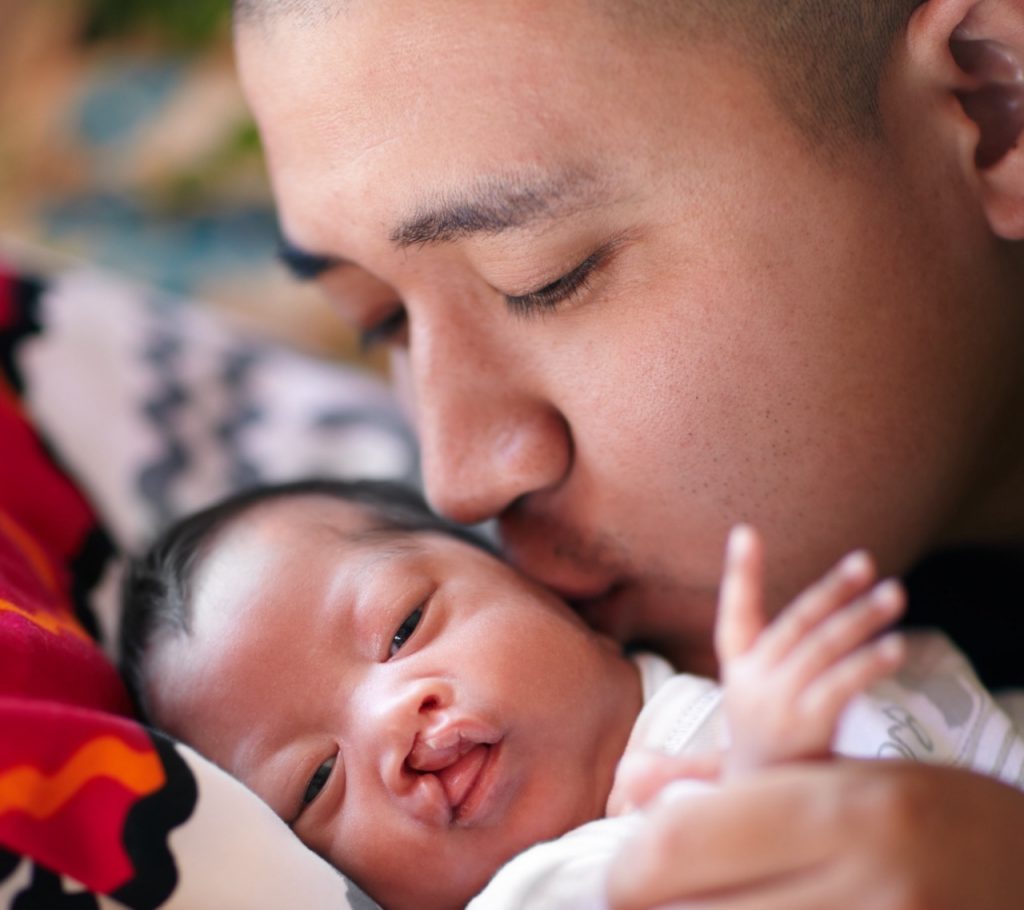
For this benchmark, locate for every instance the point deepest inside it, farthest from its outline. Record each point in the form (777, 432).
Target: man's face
(629, 306)
(418, 711)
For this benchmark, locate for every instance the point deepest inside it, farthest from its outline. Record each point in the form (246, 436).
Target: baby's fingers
(827, 697)
(843, 633)
(849, 579)
(740, 619)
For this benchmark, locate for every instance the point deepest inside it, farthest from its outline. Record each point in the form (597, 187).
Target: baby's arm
(786, 682)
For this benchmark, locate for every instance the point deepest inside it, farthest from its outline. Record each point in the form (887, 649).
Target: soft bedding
(121, 408)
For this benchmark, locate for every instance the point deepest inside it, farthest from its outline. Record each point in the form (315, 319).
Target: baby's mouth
(458, 762)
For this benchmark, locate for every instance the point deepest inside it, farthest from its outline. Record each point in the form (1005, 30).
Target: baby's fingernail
(888, 595)
(741, 538)
(856, 564)
(891, 648)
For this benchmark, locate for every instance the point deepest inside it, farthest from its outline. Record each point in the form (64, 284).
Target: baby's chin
(431, 889)
(433, 885)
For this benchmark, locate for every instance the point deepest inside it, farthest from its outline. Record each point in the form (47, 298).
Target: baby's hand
(787, 682)
(644, 773)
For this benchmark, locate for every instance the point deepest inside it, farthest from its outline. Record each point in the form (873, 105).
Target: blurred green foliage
(204, 179)
(179, 24)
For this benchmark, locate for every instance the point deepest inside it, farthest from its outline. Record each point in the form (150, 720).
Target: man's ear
(975, 49)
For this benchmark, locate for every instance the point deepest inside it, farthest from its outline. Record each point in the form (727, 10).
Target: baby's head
(414, 708)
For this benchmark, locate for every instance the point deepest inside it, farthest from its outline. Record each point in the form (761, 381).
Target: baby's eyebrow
(498, 204)
(375, 542)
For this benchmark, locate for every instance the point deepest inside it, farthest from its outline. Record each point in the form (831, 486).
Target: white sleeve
(567, 873)
(935, 710)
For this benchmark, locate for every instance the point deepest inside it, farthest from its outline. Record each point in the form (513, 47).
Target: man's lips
(547, 554)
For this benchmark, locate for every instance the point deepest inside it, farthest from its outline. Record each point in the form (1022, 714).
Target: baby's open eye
(318, 781)
(405, 631)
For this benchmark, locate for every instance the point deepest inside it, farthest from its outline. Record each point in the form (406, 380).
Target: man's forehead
(385, 68)
(312, 13)
(247, 13)
(383, 132)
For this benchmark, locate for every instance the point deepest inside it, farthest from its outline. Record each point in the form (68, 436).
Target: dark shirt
(976, 596)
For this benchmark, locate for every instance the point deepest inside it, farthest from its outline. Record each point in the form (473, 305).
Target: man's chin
(679, 626)
(611, 611)
(601, 583)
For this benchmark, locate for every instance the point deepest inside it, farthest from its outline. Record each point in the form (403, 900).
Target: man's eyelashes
(390, 329)
(556, 292)
(387, 331)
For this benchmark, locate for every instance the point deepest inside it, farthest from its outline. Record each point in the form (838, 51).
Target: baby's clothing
(935, 710)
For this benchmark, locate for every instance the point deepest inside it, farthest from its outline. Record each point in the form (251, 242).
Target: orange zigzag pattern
(27, 789)
(30, 550)
(47, 621)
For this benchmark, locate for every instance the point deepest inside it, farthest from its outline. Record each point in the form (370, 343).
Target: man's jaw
(610, 611)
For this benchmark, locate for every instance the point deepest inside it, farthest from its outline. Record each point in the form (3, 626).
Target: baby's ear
(973, 50)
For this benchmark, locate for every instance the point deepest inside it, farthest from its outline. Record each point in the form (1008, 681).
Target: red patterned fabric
(44, 522)
(6, 303)
(68, 779)
(71, 768)
(91, 802)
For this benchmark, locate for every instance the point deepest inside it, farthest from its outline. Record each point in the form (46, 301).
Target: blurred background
(125, 143)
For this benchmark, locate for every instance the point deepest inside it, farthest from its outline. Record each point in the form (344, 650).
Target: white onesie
(935, 710)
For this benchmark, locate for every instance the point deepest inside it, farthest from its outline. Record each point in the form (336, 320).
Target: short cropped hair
(823, 60)
(157, 588)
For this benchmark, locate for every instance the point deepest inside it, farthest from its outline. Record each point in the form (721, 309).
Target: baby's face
(415, 709)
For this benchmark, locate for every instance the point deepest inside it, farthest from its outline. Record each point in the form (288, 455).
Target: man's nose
(488, 434)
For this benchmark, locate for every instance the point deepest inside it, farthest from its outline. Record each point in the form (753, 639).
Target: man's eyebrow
(306, 265)
(498, 204)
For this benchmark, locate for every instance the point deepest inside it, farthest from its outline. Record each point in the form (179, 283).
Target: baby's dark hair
(157, 588)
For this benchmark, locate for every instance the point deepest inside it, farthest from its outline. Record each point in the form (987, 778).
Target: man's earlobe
(976, 49)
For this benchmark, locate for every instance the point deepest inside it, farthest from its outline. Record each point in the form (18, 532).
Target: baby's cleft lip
(457, 767)
(460, 779)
